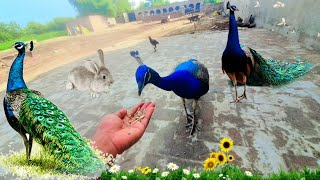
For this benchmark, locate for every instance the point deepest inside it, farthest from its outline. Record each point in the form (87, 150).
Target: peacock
(244, 65)
(189, 80)
(29, 113)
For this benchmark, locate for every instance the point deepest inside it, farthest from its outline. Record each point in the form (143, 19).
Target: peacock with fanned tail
(244, 65)
(189, 80)
(28, 112)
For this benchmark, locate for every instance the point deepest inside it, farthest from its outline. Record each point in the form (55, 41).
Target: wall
(302, 16)
(142, 14)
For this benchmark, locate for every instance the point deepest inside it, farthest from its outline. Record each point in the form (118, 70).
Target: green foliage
(159, 2)
(211, 1)
(35, 28)
(110, 8)
(58, 24)
(11, 32)
(7, 44)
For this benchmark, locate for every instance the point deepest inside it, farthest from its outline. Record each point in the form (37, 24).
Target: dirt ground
(54, 53)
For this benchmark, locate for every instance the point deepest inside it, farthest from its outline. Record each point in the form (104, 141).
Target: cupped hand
(115, 134)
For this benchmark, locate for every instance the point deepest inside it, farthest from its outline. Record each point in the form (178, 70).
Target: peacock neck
(15, 79)
(164, 83)
(233, 36)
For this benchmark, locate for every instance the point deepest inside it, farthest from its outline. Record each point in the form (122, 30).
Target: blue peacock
(189, 80)
(245, 66)
(28, 112)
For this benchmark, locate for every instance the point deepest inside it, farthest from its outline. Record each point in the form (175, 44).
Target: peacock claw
(237, 100)
(243, 96)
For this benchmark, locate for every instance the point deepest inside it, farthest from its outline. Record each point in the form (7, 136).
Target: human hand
(114, 135)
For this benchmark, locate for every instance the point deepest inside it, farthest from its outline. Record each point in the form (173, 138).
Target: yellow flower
(226, 144)
(213, 155)
(210, 164)
(230, 158)
(221, 158)
(146, 170)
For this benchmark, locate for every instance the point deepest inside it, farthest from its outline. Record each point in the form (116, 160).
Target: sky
(42, 11)
(24, 11)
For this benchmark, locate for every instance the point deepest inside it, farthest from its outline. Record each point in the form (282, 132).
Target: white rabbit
(92, 77)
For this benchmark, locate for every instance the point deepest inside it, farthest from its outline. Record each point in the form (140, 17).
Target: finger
(148, 114)
(145, 106)
(136, 107)
(121, 113)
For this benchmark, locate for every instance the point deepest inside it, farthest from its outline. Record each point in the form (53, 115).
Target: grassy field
(38, 38)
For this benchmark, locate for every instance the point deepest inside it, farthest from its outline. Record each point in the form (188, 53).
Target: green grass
(233, 172)
(38, 38)
(42, 165)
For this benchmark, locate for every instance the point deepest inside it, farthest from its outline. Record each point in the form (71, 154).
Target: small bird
(318, 35)
(283, 22)
(278, 4)
(189, 80)
(245, 66)
(29, 113)
(153, 43)
(258, 4)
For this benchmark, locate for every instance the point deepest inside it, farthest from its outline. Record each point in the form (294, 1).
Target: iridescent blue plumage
(246, 66)
(15, 80)
(189, 80)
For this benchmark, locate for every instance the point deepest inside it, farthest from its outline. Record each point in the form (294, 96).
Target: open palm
(114, 135)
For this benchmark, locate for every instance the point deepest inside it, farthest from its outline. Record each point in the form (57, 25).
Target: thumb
(121, 113)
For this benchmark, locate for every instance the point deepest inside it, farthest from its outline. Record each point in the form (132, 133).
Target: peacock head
(143, 77)
(20, 46)
(232, 7)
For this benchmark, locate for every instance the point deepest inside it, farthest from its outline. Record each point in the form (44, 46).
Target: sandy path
(56, 52)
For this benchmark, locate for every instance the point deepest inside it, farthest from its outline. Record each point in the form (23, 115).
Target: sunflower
(221, 158)
(210, 164)
(230, 158)
(213, 155)
(146, 170)
(226, 144)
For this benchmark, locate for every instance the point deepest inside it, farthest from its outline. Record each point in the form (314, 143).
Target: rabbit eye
(104, 77)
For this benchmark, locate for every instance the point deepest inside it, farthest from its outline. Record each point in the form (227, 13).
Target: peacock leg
(232, 77)
(26, 144)
(244, 90)
(155, 46)
(244, 93)
(194, 122)
(30, 145)
(188, 115)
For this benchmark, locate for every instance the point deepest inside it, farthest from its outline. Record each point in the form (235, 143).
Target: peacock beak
(140, 88)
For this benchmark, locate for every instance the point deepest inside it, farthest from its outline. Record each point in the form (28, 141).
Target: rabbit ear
(91, 66)
(101, 56)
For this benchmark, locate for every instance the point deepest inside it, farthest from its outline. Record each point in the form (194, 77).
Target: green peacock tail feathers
(273, 72)
(51, 128)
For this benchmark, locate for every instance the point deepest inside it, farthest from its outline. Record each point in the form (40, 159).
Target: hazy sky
(24, 11)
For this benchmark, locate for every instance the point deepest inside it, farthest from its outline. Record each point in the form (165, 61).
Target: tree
(211, 1)
(159, 2)
(35, 28)
(110, 8)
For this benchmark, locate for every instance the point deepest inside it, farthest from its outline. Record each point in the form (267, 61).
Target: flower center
(226, 145)
(210, 164)
(220, 158)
